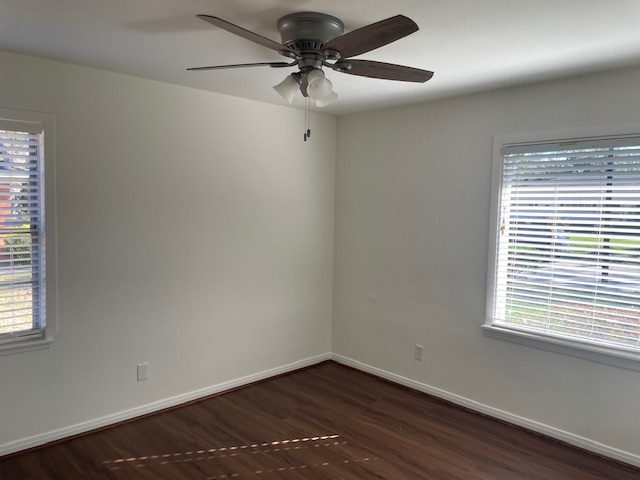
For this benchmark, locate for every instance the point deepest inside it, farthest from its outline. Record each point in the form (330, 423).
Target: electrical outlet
(143, 371)
(417, 352)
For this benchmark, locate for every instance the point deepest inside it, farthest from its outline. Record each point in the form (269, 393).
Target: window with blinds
(568, 242)
(21, 231)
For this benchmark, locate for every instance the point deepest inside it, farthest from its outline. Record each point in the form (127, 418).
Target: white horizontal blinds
(569, 241)
(21, 221)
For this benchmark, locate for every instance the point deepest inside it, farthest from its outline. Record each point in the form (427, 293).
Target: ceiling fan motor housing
(308, 31)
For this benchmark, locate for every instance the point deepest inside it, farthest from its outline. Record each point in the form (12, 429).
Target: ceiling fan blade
(242, 65)
(241, 32)
(372, 36)
(385, 71)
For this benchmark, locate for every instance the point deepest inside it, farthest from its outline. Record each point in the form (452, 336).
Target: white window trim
(596, 353)
(47, 120)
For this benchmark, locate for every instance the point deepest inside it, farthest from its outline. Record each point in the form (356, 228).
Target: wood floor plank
(325, 422)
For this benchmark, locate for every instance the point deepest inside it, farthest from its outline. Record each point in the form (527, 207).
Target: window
(26, 153)
(565, 260)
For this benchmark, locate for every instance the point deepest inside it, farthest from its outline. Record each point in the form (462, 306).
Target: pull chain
(307, 118)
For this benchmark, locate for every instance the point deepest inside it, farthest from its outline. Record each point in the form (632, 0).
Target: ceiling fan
(316, 40)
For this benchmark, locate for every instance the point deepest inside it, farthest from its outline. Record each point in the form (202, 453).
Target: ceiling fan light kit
(314, 40)
(318, 86)
(289, 86)
(328, 100)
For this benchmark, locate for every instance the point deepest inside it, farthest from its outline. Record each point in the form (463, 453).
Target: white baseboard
(52, 436)
(567, 437)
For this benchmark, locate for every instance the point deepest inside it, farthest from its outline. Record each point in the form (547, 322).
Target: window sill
(595, 353)
(25, 346)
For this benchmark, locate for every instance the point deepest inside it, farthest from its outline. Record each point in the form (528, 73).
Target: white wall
(195, 232)
(412, 212)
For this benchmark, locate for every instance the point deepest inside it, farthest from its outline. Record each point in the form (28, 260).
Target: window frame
(46, 123)
(565, 346)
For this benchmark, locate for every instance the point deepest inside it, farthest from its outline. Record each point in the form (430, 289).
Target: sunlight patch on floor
(203, 455)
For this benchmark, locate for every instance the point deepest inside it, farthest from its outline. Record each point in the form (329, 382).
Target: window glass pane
(21, 255)
(568, 260)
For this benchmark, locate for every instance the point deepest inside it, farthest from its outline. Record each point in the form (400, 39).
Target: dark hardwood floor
(325, 422)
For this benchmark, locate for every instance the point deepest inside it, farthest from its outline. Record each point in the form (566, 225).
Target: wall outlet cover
(143, 371)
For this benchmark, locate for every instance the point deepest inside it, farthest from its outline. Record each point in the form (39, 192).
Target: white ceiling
(471, 45)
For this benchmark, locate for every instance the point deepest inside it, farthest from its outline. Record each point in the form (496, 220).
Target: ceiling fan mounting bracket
(343, 67)
(332, 55)
(308, 31)
(287, 53)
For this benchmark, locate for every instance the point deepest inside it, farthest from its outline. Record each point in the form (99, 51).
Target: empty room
(319, 240)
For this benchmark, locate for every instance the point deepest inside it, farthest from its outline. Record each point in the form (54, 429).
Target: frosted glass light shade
(288, 88)
(318, 86)
(328, 100)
